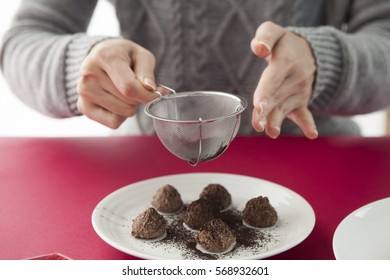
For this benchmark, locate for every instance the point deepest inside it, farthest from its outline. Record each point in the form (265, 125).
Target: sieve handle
(164, 90)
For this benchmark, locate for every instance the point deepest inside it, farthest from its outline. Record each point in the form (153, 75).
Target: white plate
(365, 233)
(112, 217)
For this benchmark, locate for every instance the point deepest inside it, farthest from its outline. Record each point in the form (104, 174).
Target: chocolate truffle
(215, 236)
(149, 224)
(258, 212)
(218, 195)
(167, 200)
(198, 213)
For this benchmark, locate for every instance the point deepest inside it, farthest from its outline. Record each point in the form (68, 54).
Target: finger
(100, 114)
(90, 81)
(125, 80)
(266, 37)
(143, 66)
(112, 104)
(304, 119)
(292, 94)
(258, 121)
(271, 80)
(90, 89)
(294, 83)
(279, 113)
(118, 67)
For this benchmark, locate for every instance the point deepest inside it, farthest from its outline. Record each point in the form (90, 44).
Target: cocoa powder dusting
(247, 239)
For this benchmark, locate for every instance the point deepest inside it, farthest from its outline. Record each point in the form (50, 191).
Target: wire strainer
(196, 126)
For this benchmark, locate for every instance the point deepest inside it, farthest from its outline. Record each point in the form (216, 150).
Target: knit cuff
(327, 52)
(77, 50)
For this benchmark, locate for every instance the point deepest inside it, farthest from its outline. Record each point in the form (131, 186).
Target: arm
(54, 67)
(353, 67)
(42, 52)
(351, 74)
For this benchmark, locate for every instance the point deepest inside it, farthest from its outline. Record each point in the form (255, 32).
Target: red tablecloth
(50, 186)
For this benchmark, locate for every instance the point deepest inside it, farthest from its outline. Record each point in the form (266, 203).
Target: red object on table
(50, 186)
(50, 257)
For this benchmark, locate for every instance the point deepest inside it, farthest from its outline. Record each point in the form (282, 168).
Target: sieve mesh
(196, 126)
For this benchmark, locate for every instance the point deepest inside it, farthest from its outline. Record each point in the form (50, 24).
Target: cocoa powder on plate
(247, 239)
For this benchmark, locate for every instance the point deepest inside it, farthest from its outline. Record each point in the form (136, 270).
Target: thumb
(266, 37)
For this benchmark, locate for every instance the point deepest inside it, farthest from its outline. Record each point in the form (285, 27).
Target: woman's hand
(116, 76)
(286, 84)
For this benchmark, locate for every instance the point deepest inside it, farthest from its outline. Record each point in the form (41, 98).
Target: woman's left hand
(286, 84)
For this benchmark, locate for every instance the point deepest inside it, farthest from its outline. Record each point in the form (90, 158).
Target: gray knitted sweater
(205, 45)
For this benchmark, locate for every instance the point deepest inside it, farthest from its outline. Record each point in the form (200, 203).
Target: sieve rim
(240, 108)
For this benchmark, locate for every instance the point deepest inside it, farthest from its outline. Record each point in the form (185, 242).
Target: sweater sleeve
(353, 66)
(42, 52)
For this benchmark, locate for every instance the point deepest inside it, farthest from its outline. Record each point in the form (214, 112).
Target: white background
(16, 119)
(113, 270)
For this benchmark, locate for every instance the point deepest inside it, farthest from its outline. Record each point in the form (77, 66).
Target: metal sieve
(196, 126)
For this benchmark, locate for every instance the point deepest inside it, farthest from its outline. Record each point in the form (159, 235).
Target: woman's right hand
(116, 76)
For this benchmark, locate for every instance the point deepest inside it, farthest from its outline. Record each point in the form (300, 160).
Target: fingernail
(277, 132)
(264, 48)
(262, 124)
(315, 134)
(149, 84)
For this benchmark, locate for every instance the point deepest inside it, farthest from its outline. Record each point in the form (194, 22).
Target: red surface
(49, 187)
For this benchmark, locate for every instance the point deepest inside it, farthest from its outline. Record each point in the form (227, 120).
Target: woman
(303, 65)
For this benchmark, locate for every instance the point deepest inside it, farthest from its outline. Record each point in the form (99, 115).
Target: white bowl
(365, 233)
